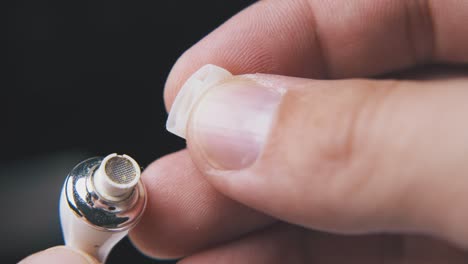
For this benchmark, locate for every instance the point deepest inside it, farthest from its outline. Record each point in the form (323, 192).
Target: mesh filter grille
(120, 170)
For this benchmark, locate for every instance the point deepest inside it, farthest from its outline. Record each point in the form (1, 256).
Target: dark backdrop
(80, 79)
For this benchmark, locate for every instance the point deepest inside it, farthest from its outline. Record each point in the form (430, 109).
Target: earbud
(101, 200)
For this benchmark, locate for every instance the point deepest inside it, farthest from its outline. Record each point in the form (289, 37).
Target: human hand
(351, 170)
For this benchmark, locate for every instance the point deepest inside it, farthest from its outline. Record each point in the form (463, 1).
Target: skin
(390, 188)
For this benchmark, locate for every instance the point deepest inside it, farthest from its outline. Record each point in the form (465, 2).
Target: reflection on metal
(93, 208)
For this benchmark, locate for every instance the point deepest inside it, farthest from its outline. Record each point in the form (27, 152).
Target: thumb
(351, 156)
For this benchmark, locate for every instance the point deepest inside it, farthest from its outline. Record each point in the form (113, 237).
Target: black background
(80, 79)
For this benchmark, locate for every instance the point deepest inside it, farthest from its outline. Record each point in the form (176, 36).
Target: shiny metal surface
(98, 212)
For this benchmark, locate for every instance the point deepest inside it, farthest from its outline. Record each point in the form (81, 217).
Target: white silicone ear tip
(206, 77)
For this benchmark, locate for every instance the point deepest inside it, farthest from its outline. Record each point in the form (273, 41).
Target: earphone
(101, 200)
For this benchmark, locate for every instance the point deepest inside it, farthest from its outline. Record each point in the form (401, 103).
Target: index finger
(330, 39)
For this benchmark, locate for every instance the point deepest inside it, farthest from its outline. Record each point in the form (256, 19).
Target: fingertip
(60, 254)
(237, 46)
(185, 213)
(175, 79)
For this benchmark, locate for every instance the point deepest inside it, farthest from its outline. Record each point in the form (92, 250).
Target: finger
(288, 244)
(185, 213)
(280, 244)
(330, 39)
(60, 255)
(349, 156)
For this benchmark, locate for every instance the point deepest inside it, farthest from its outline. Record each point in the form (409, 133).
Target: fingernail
(60, 254)
(231, 122)
(190, 93)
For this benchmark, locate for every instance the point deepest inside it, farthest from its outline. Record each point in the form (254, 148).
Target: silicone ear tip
(206, 77)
